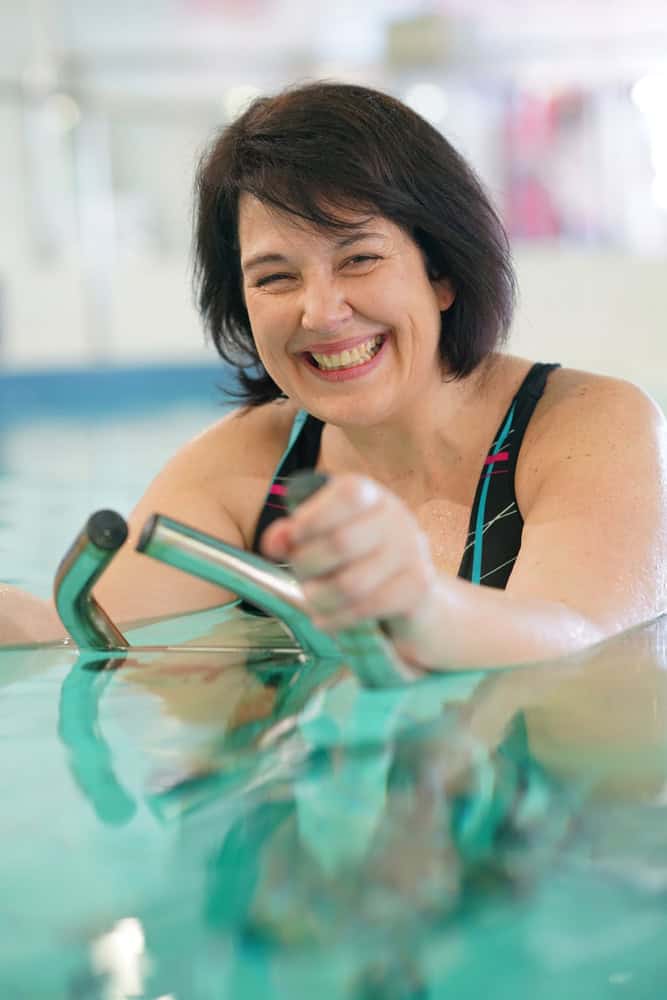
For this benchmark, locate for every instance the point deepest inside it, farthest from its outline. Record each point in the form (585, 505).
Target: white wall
(151, 318)
(599, 310)
(71, 293)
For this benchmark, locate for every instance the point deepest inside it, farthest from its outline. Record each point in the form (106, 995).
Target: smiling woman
(348, 353)
(338, 309)
(359, 167)
(484, 509)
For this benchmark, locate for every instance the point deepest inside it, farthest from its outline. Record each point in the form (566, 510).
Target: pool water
(56, 469)
(243, 823)
(185, 824)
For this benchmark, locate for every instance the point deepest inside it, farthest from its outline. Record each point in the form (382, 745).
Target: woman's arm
(216, 483)
(26, 619)
(592, 560)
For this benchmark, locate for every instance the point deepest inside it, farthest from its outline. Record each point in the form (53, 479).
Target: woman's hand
(359, 554)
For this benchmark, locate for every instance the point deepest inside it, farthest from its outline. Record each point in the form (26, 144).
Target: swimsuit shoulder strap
(301, 452)
(496, 524)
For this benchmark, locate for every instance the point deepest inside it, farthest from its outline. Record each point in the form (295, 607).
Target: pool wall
(76, 392)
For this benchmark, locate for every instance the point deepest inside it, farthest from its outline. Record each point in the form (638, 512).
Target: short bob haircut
(323, 146)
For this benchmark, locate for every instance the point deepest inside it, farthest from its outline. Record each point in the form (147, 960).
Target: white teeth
(350, 358)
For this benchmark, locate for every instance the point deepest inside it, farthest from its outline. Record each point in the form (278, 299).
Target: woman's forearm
(26, 619)
(463, 625)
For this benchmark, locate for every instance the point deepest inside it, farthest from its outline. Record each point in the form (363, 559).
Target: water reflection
(284, 832)
(89, 756)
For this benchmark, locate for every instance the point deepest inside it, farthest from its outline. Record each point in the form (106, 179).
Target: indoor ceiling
(191, 48)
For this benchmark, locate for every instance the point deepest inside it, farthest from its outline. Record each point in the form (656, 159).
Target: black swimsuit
(494, 535)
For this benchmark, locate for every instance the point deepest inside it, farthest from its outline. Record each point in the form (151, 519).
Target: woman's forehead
(259, 222)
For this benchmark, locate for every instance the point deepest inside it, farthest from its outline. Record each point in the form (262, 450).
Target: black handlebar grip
(106, 529)
(301, 485)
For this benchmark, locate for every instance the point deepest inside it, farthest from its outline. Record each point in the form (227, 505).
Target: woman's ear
(444, 293)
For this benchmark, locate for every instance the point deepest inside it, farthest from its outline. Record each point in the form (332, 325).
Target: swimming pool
(189, 825)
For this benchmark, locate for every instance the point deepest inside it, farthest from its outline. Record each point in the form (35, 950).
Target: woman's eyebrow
(278, 258)
(363, 234)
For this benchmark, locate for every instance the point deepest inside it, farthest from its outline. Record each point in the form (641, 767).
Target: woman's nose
(325, 306)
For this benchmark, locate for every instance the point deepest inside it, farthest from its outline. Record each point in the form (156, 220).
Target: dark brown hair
(324, 146)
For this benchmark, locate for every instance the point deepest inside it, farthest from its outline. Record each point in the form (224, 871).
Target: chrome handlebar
(364, 648)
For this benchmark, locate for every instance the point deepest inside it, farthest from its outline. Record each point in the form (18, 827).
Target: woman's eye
(362, 258)
(269, 279)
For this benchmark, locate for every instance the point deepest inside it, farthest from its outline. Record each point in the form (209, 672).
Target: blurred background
(105, 109)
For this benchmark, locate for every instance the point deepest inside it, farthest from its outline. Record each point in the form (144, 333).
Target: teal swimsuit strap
(297, 427)
(301, 452)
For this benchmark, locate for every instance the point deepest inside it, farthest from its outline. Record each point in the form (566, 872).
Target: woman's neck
(416, 452)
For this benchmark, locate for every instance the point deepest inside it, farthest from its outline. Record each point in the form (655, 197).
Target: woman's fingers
(394, 596)
(387, 581)
(336, 506)
(276, 541)
(351, 584)
(353, 539)
(358, 552)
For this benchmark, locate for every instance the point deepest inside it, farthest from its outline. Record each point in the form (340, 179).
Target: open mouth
(361, 354)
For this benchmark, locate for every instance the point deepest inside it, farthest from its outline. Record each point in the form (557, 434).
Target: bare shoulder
(572, 392)
(217, 483)
(584, 416)
(227, 468)
(248, 440)
(591, 485)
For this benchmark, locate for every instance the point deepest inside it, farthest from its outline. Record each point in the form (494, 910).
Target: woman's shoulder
(581, 397)
(584, 416)
(219, 478)
(247, 439)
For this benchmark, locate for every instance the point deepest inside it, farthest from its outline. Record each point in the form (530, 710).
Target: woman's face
(346, 324)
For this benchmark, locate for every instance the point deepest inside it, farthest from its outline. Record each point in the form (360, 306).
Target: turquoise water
(273, 830)
(190, 824)
(73, 449)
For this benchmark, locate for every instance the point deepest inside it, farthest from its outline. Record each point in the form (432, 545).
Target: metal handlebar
(84, 562)
(275, 591)
(249, 576)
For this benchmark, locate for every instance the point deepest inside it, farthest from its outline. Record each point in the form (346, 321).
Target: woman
(485, 510)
